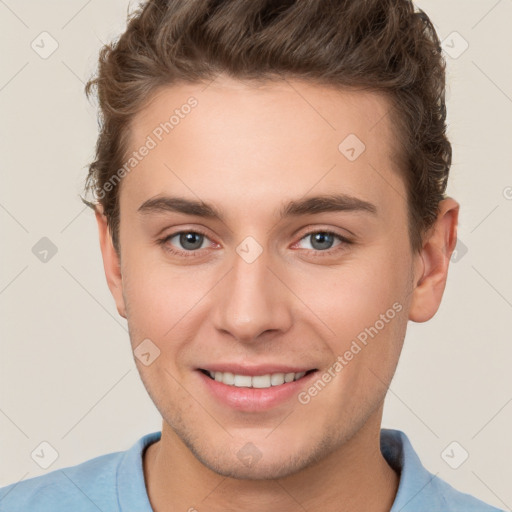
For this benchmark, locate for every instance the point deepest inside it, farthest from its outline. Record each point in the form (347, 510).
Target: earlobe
(433, 262)
(111, 262)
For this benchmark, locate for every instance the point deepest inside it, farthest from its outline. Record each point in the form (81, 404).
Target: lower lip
(254, 399)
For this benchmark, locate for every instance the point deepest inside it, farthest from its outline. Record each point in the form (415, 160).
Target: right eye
(188, 242)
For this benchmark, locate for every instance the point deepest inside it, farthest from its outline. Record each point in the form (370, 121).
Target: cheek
(364, 304)
(353, 296)
(163, 301)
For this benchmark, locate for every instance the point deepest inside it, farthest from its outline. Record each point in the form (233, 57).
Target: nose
(252, 303)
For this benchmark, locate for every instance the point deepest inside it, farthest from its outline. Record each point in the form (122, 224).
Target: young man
(269, 186)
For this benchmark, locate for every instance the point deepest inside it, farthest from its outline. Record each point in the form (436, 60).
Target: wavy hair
(385, 46)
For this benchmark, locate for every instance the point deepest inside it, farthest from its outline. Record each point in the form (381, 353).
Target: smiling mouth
(255, 381)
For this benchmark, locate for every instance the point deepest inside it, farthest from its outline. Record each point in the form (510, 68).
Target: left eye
(321, 240)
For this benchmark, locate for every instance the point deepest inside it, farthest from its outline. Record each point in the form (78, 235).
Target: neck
(354, 477)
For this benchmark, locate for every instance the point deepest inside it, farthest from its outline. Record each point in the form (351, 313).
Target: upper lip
(241, 369)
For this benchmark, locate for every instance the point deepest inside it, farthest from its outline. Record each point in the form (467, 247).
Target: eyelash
(193, 254)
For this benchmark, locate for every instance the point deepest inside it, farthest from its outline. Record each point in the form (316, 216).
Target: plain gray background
(66, 369)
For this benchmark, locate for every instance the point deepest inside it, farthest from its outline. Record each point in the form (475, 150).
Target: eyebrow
(307, 206)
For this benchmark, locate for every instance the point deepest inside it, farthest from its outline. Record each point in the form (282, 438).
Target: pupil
(319, 238)
(193, 239)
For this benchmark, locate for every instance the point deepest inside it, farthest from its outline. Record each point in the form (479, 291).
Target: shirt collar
(131, 487)
(416, 489)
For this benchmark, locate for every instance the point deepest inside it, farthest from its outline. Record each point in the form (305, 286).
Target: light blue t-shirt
(115, 483)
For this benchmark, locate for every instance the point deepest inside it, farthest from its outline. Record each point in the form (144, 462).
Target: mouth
(254, 389)
(265, 381)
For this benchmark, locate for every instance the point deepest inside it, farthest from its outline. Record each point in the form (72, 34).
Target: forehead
(263, 140)
(258, 109)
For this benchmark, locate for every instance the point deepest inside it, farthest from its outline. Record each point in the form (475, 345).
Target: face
(271, 319)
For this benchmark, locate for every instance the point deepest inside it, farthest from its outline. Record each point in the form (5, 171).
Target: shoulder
(453, 500)
(418, 489)
(90, 485)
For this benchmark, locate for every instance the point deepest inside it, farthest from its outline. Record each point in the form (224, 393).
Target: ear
(111, 262)
(433, 261)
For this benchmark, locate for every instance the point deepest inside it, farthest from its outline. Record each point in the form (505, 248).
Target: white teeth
(276, 379)
(228, 378)
(241, 381)
(256, 381)
(261, 381)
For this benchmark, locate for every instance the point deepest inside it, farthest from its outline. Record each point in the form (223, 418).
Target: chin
(229, 465)
(243, 460)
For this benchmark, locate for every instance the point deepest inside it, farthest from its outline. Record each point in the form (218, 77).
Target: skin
(248, 149)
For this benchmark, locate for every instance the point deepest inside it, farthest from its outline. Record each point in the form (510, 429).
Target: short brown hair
(384, 46)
